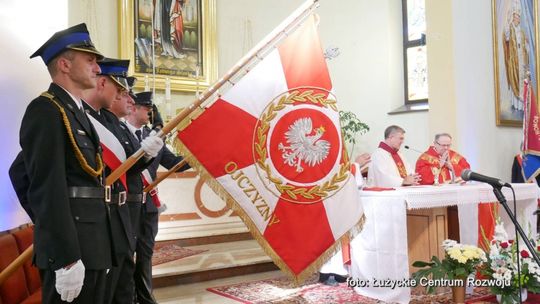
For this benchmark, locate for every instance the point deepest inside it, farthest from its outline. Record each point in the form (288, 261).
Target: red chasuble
(428, 166)
(397, 159)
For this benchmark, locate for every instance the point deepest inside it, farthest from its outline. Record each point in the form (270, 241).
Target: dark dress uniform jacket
(149, 227)
(133, 175)
(122, 230)
(20, 182)
(66, 229)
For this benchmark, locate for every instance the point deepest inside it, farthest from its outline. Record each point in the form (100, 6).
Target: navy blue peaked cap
(116, 69)
(74, 38)
(144, 98)
(131, 80)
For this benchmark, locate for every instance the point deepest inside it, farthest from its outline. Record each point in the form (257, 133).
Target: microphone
(409, 148)
(468, 175)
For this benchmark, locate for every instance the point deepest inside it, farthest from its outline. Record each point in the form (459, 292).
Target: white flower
(502, 273)
(493, 251)
(500, 233)
(534, 269)
(447, 244)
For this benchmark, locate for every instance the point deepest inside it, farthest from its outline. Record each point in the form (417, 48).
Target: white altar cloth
(380, 251)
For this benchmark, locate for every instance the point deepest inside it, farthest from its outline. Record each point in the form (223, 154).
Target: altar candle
(167, 89)
(168, 109)
(146, 83)
(197, 91)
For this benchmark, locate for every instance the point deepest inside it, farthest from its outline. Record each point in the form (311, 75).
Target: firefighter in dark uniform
(111, 84)
(137, 121)
(62, 162)
(134, 197)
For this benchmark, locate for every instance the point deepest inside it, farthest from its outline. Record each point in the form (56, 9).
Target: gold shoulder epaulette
(80, 157)
(47, 95)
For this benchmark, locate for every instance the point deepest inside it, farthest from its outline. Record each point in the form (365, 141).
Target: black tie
(138, 133)
(83, 118)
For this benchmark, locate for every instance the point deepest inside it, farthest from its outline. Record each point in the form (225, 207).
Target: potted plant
(502, 267)
(351, 126)
(459, 262)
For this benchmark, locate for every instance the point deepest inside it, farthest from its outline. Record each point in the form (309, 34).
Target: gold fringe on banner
(235, 206)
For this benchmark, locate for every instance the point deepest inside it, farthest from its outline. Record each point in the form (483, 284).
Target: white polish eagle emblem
(303, 145)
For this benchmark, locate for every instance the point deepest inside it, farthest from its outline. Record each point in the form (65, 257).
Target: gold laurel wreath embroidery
(315, 192)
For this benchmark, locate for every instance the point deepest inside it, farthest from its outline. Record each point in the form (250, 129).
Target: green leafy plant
(351, 126)
(458, 263)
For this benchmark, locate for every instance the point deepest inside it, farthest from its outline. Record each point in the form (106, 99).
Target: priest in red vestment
(439, 164)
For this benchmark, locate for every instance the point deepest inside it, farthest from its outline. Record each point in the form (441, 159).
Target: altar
(381, 251)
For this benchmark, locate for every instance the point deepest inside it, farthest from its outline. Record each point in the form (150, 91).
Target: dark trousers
(120, 287)
(93, 290)
(145, 250)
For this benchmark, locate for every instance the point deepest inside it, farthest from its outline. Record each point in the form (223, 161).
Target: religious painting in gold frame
(515, 56)
(180, 33)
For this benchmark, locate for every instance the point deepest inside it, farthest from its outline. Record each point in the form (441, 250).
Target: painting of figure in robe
(171, 30)
(515, 48)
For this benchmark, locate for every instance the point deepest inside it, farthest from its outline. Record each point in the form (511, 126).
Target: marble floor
(196, 293)
(217, 256)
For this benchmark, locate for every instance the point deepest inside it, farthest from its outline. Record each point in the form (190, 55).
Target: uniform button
(51, 260)
(77, 218)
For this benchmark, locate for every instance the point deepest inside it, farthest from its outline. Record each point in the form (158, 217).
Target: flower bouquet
(502, 267)
(459, 262)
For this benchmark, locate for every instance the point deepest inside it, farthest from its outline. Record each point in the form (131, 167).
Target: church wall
(489, 148)
(442, 99)
(21, 80)
(101, 18)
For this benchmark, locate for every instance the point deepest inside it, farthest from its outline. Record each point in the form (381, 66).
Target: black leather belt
(134, 198)
(86, 192)
(118, 198)
(98, 192)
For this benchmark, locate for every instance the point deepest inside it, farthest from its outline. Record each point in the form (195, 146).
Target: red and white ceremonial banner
(272, 146)
(531, 135)
(113, 152)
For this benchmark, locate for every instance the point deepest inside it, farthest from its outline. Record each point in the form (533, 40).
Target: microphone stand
(500, 197)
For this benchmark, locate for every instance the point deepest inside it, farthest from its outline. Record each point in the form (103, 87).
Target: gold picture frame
(515, 57)
(187, 55)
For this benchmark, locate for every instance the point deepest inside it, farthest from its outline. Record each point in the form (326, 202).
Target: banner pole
(160, 178)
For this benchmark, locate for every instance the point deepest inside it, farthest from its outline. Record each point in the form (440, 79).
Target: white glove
(69, 282)
(162, 208)
(152, 144)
